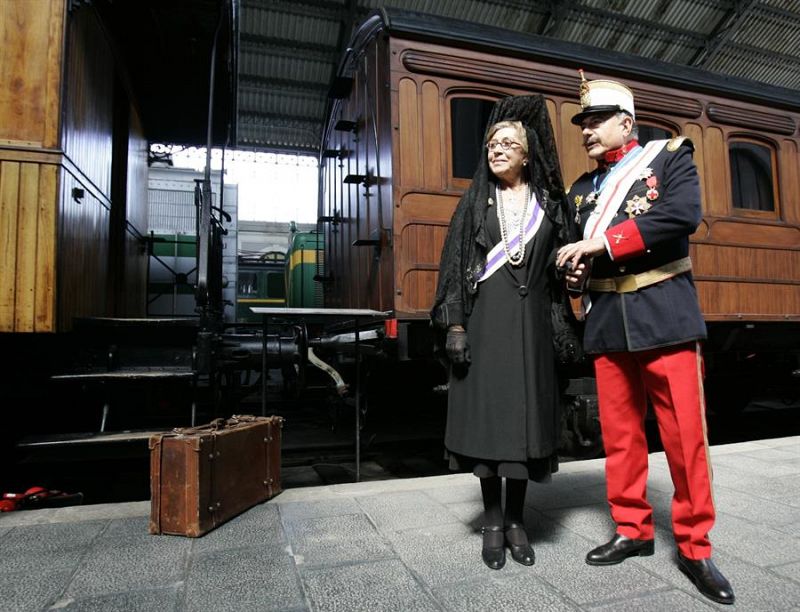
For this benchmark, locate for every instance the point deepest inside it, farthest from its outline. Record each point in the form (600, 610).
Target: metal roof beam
(267, 45)
(578, 10)
(321, 9)
(726, 28)
(275, 118)
(259, 80)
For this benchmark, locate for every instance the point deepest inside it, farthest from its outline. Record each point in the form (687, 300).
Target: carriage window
(276, 287)
(468, 117)
(652, 132)
(248, 283)
(751, 175)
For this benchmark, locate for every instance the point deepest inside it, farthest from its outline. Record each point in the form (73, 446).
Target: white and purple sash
(617, 187)
(496, 258)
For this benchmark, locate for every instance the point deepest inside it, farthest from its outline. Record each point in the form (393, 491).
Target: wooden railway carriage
(407, 114)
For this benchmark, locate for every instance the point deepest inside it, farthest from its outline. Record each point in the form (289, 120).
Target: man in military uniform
(636, 212)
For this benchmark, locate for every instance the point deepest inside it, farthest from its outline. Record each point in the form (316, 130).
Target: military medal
(591, 198)
(636, 206)
(646, 174)
(652, 192)
(578, 202)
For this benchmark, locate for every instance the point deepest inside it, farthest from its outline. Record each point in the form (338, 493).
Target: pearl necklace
(519, 256)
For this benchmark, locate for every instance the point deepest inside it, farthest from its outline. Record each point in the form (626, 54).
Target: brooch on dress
(578, 202)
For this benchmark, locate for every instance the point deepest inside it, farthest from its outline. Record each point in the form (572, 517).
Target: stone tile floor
(409, 545)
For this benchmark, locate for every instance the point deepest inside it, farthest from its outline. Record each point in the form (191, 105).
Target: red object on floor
(38, 497)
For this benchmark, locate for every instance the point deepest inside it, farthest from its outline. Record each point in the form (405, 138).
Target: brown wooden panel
(748, 301)
(763, 265)
(432, 131)
(133, 295)
(751, 119)
(83, 275)
(715, 159)
(30, 70)
(574, 161)
(410, 161)
(9, 202)
(431, 206)
(533, 76)
(27, 220)
(89, 100)
(419, 289)
(422, 222)
(694, 132)
(736, 232)
(45, 298)
(789, 175)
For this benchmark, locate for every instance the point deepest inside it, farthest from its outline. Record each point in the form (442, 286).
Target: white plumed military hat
(602, 96)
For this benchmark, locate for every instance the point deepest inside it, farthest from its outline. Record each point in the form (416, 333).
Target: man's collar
(614, 155)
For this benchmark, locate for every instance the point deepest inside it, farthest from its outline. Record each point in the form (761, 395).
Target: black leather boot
(707, 578)
(618, 549)
(493, 552)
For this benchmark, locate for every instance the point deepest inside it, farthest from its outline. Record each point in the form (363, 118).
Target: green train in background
(281, 279)
(303, 264)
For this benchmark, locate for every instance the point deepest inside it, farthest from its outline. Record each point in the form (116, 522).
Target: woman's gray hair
(516, 125)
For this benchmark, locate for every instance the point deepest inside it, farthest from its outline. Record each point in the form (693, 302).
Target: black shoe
(521, 553)
(619, 549)
(493, 552)
(707, 578)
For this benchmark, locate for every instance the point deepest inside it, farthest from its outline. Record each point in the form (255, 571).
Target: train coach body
(71, 143)
(407, 115)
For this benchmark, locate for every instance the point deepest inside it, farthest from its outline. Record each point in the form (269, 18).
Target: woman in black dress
(497, 283)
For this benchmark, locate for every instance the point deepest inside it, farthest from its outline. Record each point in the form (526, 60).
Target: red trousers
(673, 380)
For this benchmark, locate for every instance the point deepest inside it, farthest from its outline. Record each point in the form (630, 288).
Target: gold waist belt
(634, 282)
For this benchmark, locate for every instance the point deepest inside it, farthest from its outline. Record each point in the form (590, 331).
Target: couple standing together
(619, 241)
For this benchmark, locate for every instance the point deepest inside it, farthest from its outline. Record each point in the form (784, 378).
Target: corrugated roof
(289, 49)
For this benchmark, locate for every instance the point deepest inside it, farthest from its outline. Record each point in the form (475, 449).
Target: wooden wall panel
(134, 295)
(789, 174)
(422, 223)
(410, 155)
(46, 252)
(9, 203)
(27, 253)
(737, 301)
(695, 133)
(27, 225)
(31, 44)
(745, 263)
(715, 160)
(574, 161)
(89, 100)
(432, 135)
(83, 274)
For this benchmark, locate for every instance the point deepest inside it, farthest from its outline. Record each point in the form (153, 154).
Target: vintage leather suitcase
(202, 476)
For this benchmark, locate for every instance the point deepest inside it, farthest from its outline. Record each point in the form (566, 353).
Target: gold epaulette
(675, 143)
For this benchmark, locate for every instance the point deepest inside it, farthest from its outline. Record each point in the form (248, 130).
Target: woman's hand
(456, 346)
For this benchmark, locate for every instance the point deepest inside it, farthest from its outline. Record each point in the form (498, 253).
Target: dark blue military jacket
(646, 233)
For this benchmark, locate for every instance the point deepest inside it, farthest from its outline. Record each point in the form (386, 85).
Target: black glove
(457, 347)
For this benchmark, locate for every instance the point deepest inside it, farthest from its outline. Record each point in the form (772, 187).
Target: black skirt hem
(538, 469)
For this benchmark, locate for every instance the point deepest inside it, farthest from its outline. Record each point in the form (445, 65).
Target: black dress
(503, 416)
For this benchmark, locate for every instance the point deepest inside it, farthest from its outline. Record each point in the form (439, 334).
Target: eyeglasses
(505, 144)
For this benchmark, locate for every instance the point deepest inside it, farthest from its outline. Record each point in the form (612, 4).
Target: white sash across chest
(616, 188)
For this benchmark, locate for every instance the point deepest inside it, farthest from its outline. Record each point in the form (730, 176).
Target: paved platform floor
(412, 545)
